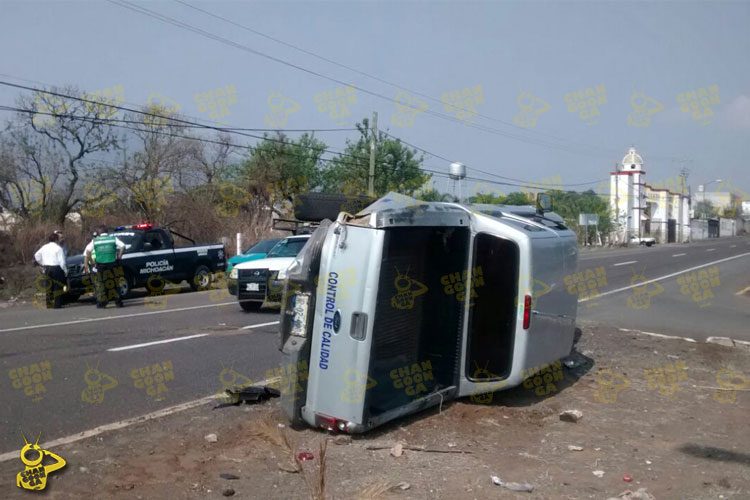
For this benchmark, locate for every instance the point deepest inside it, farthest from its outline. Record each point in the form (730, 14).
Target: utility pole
(373, 138)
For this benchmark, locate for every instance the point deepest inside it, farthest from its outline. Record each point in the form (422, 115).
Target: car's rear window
(263, 246)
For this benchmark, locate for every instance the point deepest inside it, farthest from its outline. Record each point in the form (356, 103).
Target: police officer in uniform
(52, 258)
(105, 251)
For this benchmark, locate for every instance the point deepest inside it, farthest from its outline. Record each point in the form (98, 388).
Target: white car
(257, 280)
(648, 241)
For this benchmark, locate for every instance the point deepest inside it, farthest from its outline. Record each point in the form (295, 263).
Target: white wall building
(638, 210)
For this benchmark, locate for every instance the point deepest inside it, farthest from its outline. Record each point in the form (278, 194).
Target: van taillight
(526, 312)
(331, 424)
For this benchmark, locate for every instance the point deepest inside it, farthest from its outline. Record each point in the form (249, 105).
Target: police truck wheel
(123, 286)
(249, 306)
(201, 279)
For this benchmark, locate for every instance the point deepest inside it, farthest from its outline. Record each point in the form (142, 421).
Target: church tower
(627, 196)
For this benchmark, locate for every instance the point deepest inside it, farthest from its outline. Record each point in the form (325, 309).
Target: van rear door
(342, 328)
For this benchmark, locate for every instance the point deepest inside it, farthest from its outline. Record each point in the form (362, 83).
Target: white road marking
(250, 327)
(156, 342)
(13, 455)
(679, 254)
(107, 318)
(624, 263)
(710, 250)
(662, 278)
(660, 335)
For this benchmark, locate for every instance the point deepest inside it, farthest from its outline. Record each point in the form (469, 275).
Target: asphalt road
(204, 335)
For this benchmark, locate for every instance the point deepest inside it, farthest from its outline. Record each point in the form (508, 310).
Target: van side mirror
(543, 203)
(147, 247)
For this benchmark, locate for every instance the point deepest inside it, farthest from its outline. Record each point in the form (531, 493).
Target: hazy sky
(640, 56)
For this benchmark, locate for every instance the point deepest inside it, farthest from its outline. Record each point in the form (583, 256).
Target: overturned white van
(408, 304)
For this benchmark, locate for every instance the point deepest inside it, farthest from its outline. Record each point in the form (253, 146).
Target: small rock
(572, 447)
(129, 486)
(211, 438)
(83, 469)
(648, 462)
(598, 473)
(227, 492)
(641, 494)
(403, 486)
(521, 487)
(627, 478)
(571, 415)
(725, 341)
(342, 439)
(227, 475)
(397, 450)
(451, 445)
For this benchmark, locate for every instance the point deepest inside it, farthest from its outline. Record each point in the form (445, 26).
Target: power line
(206, 34)
(376, 78)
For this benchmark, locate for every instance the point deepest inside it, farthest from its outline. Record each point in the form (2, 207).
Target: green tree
(569, 204)
(488, 198)
(397, 167)
(433, 194)
(704, 209)
(279, 168)
(518, 198)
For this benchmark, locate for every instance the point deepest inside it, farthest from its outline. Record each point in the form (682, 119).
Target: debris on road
(627, 478)
(598, 473)
(250, 395)
(227, 492)
(641, 494)
(211, 438)
(520, 487)
(571, 415)
(227, 475)
(397, 450)
(342, 439)
(304, 456)
(423, 449)
(572, 447)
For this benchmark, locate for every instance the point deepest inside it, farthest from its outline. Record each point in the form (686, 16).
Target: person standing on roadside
(105, 252)
(52, 259)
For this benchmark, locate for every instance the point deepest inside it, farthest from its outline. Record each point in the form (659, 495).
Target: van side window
(492, 313)
(156, 239)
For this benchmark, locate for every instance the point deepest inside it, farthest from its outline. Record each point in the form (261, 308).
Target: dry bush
(275, 436)
(18, 281)
(315, 475)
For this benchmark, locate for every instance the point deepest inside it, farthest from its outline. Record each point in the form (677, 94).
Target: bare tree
(50, 138)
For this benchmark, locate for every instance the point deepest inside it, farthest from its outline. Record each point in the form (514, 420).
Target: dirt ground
(672, 416)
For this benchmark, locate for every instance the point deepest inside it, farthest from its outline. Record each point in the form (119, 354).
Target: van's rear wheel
(201, 278)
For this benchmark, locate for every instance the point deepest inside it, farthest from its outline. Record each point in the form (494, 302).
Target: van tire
(250, 306)
(315, 207)
(201, 279)
(124, 286)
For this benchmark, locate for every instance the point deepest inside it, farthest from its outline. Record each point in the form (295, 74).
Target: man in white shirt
(52, 259)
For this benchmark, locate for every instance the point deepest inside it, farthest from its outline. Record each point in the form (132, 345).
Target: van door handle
(358, 328)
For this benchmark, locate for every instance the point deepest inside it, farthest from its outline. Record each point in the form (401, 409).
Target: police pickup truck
(151, 259)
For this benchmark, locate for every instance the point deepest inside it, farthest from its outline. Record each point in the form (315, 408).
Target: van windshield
(287, 248)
